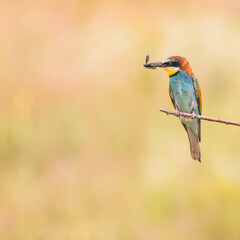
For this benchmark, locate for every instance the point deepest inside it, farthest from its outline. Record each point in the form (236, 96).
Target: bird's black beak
(153, 65)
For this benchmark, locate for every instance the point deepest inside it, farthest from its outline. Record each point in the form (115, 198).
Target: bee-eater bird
(185, 93)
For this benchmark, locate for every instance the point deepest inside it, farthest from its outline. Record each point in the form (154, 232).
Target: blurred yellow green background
(84, 152)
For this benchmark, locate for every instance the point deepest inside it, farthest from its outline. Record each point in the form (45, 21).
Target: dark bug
(148, 65)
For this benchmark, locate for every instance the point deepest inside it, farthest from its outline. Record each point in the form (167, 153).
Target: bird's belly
(184, 96)
(185, 99)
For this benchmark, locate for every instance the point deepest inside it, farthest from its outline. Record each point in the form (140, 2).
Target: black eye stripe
(171, 64)
(174, 64)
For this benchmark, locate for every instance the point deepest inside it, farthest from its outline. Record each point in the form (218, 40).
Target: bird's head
(172, 65)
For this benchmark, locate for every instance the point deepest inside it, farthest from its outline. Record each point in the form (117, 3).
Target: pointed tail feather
(194, 145)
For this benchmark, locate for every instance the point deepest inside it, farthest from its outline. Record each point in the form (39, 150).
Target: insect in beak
(152, 65)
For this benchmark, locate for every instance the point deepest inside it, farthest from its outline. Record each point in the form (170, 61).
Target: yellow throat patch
(171, 71)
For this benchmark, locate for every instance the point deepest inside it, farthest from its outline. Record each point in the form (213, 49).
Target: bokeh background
(84, 151)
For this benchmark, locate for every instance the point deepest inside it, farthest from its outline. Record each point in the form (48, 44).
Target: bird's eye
(169, 63)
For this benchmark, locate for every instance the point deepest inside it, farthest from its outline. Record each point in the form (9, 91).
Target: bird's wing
(197, 92)
(199, 99)
(174, 104)
(171, 96)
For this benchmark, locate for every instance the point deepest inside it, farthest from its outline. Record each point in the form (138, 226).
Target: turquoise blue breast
(183, 92)
(185, 97)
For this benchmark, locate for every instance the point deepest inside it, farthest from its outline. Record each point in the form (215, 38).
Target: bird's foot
(177, 113)
(193, 115)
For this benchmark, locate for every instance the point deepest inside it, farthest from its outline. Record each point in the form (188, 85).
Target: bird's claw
(193, 115)
(177, 113)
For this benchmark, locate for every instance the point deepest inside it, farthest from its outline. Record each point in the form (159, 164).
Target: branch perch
(219, 120)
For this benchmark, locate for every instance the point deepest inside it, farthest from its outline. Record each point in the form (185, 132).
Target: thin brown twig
(189, 115)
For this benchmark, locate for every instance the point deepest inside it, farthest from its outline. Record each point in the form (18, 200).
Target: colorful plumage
(185, 93)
